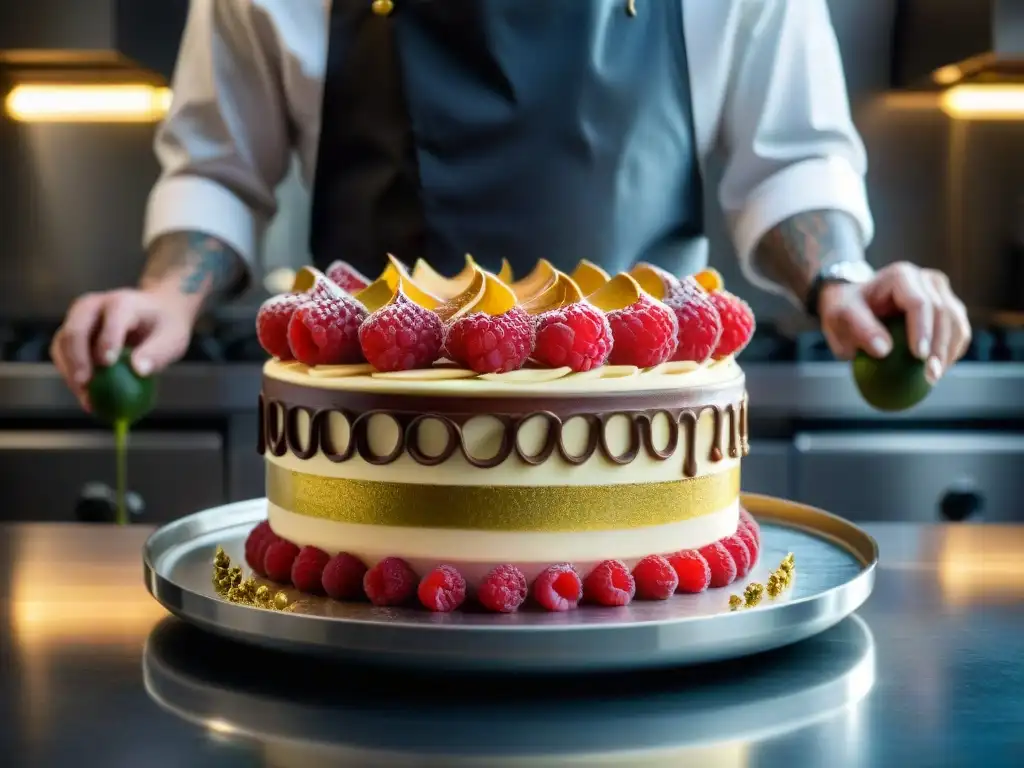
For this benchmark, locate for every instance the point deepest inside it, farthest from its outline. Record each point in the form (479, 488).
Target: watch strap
(848, 272)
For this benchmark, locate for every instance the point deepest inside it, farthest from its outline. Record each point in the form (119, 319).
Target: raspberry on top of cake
(492, 324)
(558, 438)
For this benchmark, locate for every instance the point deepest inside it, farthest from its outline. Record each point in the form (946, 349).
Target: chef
(514, 129)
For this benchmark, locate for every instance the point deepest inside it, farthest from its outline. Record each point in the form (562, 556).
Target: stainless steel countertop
(930, 674)
(969, 391)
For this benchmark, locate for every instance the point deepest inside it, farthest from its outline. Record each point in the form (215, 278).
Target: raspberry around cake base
(558, 584)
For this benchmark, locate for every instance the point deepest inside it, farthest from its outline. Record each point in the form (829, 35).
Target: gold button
(383, 7)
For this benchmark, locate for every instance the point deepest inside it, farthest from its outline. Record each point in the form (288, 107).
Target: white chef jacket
(765, 75)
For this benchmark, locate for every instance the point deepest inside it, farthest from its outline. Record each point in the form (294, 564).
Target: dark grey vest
(514, 129)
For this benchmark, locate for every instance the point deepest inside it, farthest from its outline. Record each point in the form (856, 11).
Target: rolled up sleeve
(786, 127)
(224, 146)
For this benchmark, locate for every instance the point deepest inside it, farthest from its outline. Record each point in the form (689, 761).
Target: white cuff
(821, 184)
(195, 204)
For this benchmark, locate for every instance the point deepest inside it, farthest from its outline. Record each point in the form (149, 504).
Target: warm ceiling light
(947, 75)
(39, 103)
(984, 102)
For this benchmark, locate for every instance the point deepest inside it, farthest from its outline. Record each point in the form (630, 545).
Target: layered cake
(487, 441)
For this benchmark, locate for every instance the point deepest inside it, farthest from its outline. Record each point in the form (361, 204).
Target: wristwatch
(849, 272)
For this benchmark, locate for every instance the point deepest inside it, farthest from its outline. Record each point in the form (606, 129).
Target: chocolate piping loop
(634, 439)
(508, 444)
(412, 440)
(593, 438)
(327, 442)
(646, 424)
(276, 440)
(291, 431)
(554, 424)
(361, 438)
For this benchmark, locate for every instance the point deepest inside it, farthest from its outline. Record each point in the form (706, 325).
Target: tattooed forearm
(197, 265)
(793, 254)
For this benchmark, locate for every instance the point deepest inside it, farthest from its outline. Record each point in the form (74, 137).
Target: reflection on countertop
(97, 675)
(710, 715)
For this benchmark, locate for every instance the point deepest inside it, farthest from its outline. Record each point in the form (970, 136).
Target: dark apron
(515, 129)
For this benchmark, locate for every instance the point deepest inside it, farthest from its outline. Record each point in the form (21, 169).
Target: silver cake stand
(835, 563)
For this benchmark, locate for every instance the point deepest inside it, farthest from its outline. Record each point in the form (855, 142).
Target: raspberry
(644, 333)
(390, 582)
(272, 323)
(723, 567)
(610, 583)
(748, 537)
(321, 287)
(256, 544)
(491, 343)
(737, 323)
(693, 571)
(277, 562)
(558, 588)
(401, 337)
(740, 554)
(504, 589)
(308, 570)
(343, 575)
(577, 336)
(326, 331)
(700, 327)
(346, 277)
(655, 578)
(442, 590)
(747, 521)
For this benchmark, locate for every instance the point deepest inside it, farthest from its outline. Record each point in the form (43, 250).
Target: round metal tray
(359, 715)
(835, 563)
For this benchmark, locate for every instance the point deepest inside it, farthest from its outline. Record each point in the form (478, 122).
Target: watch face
(849, 272)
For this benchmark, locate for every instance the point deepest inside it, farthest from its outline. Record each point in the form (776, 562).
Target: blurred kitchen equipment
(946, 177)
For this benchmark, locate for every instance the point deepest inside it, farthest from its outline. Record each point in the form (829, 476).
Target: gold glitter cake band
(502, 508)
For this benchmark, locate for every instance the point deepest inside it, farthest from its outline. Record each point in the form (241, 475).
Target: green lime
(896, 382)
(118, 394)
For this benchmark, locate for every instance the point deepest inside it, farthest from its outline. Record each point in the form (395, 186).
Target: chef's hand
(156, 323)
(937, 326)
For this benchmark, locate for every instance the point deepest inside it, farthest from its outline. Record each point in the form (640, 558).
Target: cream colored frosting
(520, 383)
(476, 552)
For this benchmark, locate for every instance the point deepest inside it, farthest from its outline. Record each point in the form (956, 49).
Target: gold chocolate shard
(538, 280)
(710, 280)
(228, 583)
(459, 305)
(753, 593)
(562, 292)
(735, 602)
(221, 559)
(396, 273)
(437, 284)
(589, 277)
(618, 293)
(655, 280)
(378, 294)
(497, 298)
(309, 277)
(505, 273)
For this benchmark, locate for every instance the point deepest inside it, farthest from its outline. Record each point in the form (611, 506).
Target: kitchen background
(947, 187)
